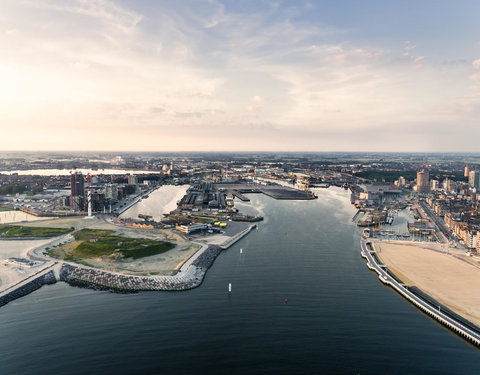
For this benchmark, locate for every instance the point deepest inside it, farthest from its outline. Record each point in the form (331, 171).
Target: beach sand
(12, 274)
(451, 279)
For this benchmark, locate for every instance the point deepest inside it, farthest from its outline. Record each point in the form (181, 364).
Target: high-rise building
(77, 191)
(434, 185)
(77, 185)
(451, 186)
(401, 181)
(423, 183)
(466, 171)
(474, 179)
(132, 179)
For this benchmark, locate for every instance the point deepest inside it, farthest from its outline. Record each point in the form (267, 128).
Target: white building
(471, 239)
(474, 179)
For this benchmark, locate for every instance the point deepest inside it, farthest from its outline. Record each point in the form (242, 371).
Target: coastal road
(432, 311)
(438, 222)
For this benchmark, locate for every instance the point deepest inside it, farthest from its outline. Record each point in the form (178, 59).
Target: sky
(244, 75)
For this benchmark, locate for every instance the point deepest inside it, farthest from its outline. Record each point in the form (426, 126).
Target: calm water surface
(339, 318)
(159, 202)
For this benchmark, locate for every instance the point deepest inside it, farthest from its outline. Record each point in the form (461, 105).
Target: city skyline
(270, 75)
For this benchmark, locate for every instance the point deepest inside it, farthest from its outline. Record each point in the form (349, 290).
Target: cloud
(104, 10)
(183, 68)
(475, 77)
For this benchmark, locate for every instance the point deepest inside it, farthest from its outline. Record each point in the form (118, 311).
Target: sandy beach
(451, 279)
(10, 274)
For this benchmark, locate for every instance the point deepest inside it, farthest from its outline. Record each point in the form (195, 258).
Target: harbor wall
(238, 237)
(466, 332)
(103, 280)
(86, 277)
(29, 287)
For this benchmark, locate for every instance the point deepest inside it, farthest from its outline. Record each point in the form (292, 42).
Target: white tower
(89, 200)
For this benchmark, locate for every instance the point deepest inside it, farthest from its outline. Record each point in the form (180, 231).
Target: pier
(434, 312)
(239, 195)
(357, 215)
(47, 275)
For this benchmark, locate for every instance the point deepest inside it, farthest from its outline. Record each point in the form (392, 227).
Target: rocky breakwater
(189, 278)
(27, 286)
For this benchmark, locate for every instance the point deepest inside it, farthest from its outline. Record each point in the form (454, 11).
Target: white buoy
(229, 287)
(241, 251)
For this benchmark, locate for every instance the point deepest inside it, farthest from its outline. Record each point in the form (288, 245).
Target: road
(438, 221)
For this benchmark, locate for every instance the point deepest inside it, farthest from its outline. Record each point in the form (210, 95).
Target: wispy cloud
(180, 71)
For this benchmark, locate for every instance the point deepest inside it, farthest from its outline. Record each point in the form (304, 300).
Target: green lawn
(108, 245)
(17, 231)
(87, 233)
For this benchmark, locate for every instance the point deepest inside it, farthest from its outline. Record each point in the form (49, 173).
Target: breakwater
(190, 278)
(238, 237)
(92, 278)
(28, 287)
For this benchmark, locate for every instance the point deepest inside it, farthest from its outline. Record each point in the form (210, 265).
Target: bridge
(433, 311)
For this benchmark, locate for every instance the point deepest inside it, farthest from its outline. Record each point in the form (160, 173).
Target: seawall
(189, 276)
(192, 277)
(29, 287)
(466, 332)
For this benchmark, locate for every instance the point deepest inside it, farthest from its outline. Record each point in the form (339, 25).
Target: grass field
(93, 243)
(17, 231)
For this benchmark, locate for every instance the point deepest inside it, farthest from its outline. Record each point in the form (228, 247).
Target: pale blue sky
(240, 75)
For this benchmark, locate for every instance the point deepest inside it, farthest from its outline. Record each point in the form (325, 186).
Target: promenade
(434, 312)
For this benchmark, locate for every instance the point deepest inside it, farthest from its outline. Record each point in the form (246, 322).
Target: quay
(434, 312)
(240, 196)
(274, 191)
(287, 193)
